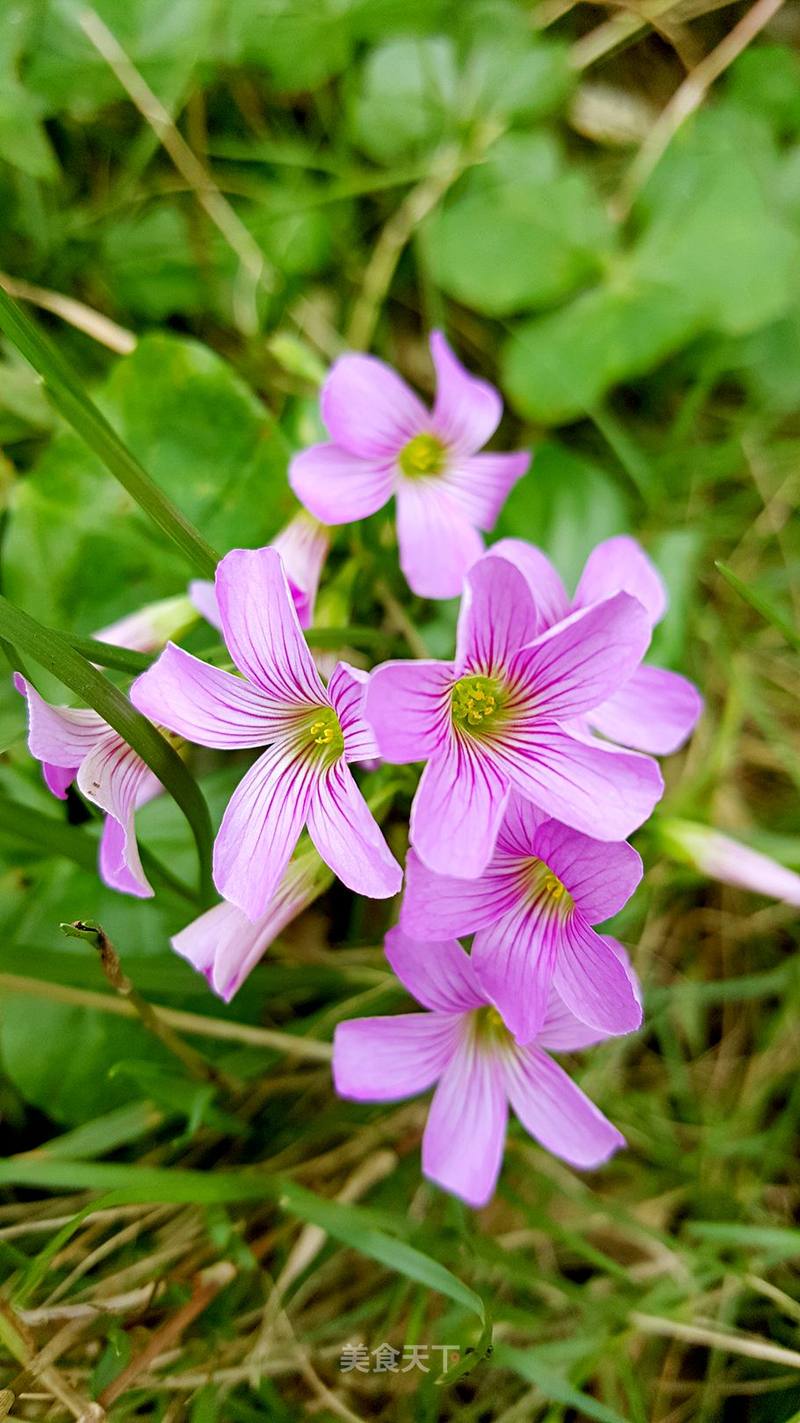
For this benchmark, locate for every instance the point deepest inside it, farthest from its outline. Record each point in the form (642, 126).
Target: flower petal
(620, 565)
(60, 736)
(441, 906)
(369, 410)
(387, 1059)
(592, 786)
(206, 705)
(347, 691)
(303, 546)
(204, 596)
(439, 975)
(520, 826)
(114, 777)
(556, 1112)
(407, 704)
(544, 582)
(58, 779)
(458, 810)
(339, 487)
(514, 963)
(600, 875)
(261, 826)
(347, 836)
(592, 981)
(480, 484)
(467, 410)
(656, 710)
(113, 861)
(261, 628)
(580, 662)
(437, 542)
(728, 860)
(462, 1146)
(497, 617)
(562, 1031)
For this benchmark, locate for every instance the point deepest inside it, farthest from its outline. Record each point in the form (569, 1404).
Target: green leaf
(762, 606)
(766, 80)
(527, 1364)
(405, 99)
(76, 407)
(53, 653)
(522, 232)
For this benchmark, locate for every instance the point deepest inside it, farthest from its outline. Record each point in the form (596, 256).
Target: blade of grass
(762, 606)
(83, 415)
(106, 654)
(54, 653)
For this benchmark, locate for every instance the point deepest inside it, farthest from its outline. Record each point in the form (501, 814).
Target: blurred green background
(204, 202)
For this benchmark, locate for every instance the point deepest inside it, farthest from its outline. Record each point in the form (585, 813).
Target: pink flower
(532, 913)
(654, 710)
(75, 744)
(225, 946)
(303, 778)
(462, 1044)
(492, 720)
(384, 441)
(303, 546)
(151, 626)
(726, 859)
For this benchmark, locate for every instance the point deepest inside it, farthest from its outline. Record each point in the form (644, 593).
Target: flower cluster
(536, 742)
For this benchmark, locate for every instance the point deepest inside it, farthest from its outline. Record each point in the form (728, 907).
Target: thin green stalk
(761, 606)
(84, 417)
(107, 654)
(51, 650)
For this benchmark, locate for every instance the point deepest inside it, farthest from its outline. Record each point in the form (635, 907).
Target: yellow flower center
(475, 701)
(325, 733)
(488, 1026)
(541, 884)
(422, 455)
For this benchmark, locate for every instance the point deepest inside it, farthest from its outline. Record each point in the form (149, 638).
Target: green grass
(200, 1237)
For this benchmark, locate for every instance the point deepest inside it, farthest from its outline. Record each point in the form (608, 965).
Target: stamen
(540, 884)
(425, 454)
(475, 701)
(325, 733)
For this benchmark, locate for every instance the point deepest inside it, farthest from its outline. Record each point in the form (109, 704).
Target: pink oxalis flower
(494, 720)
(225, 946)
(75, 744)
(311, 732)
(654, 709)
(385, 442)
(303, 546)
(532, 912)
(462, 1044)
(728, 860)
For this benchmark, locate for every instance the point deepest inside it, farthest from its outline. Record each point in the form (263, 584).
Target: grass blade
(762, 606)
(84, 417)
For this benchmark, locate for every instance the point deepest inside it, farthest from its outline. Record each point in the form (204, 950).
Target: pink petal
(519, 829)
(339, 487)
(441, 906)
(348, 838)
(60, 736)
(261, 826)
(387, 1059)
(225, 946)
(595, 788)
(437, 543)
(462, 1147)
(438, 974)
(113, 861)
(656, 710)
(480, 484)
(115, 778)
(556, 1112)
(730, 861)
(514, 962)
(467, 410)
(620, 565)
(369, 410)
(580, 662)
(261, 629)
(544, 583)
(593, 982)
(600, 875)
(497, 617)
(458, 810)
(347, 692)
(204, 596)
(58, 779)
(407, 704)
(206, 705)
(303, 546)
(562, 1031)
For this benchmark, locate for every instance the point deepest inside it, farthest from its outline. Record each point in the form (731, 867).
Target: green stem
(107, 654)
(84, 417)
(51, 650)
(761, 606)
